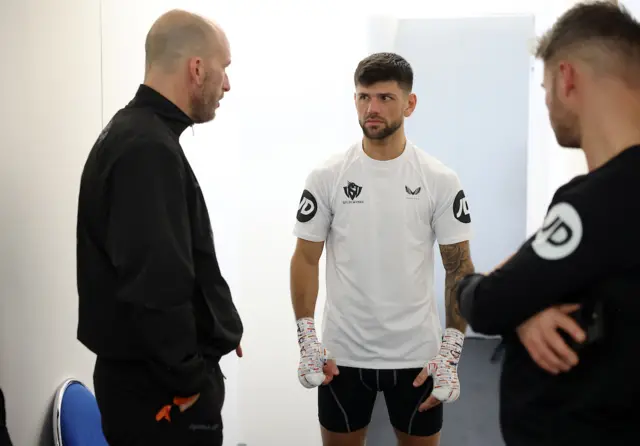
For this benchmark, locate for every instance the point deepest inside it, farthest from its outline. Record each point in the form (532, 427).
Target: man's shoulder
(429, 165)
(135, 129)
(131, 136)
(607, 184)
(589, 202)
(138, 125)
(335, 163)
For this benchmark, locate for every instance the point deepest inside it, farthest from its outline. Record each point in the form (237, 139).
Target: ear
(567, 78)
(412, 101)
(196, 70)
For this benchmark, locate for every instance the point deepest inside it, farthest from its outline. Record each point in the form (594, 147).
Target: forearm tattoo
(457, 263)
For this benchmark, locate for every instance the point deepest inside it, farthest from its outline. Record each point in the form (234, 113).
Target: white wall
(296, 92)
(50, 96)
(289, 107)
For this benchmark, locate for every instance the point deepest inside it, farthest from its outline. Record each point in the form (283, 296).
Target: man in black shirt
(153, 305)
(567, 304)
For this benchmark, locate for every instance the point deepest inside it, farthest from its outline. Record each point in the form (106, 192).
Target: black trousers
(129, 401)
(5, 440)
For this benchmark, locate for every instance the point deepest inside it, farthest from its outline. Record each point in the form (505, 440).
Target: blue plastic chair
(76, 417)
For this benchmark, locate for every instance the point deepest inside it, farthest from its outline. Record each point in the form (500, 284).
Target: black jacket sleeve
(149, 242)
(554, 266)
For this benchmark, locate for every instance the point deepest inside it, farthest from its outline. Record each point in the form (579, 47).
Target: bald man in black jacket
(154, 306)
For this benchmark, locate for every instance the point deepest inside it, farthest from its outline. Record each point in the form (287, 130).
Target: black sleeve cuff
(466, 294)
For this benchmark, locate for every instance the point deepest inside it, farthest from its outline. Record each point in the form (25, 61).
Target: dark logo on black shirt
(461, 208)
(307, 207)
(352, 190)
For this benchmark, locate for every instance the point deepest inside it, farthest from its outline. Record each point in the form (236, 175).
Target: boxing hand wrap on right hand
(313, 355)
(444, 367)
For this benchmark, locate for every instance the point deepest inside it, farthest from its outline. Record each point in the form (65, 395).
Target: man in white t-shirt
(380, 207)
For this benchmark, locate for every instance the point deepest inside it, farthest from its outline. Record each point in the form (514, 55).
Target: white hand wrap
(313, 355)
(444, 367)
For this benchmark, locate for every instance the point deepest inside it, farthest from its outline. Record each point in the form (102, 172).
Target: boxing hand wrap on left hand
(444, 367)
(313, 355)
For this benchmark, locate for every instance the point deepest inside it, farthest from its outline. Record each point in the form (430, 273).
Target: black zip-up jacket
(586, 252)
(150, 288)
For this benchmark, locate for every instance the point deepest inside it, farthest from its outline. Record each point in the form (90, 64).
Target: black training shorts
(346, 403)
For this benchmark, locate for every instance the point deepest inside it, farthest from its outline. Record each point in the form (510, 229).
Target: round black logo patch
(308, 207)
(461, 208)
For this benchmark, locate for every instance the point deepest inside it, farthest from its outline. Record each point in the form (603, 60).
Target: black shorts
(129, 400)
(346, 404)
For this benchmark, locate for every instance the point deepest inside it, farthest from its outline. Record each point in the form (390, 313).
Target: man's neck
(170, 89)
(611, 133)
(386, 149)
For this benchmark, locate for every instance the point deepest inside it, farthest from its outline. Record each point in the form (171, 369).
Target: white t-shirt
(380, 221)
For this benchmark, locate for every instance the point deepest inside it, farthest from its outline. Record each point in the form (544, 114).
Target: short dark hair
(384, 67)
(594, 25)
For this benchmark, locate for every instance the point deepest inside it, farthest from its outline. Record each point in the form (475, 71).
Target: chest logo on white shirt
(412, 193)
(352, 191)
(461, 208)
(560, 234)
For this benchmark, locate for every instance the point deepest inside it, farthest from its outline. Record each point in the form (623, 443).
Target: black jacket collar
(175, 118)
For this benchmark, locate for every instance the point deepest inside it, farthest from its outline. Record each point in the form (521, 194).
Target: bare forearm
(457, 263)
(304, 287)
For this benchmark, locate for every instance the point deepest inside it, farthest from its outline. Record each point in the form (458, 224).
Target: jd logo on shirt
(561, 233)
(461, 208)
(308, 207)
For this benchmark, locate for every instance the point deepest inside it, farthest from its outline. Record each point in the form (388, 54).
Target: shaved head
(186, 56)
(600, 33)
(592, 51)
(177, 35)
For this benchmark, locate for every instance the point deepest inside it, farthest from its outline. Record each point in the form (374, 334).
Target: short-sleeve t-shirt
(379, 221)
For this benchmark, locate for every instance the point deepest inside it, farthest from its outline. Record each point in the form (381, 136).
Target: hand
(540, 336)
(239, 351)
(444, 371)
(330, 370)
(313, 355)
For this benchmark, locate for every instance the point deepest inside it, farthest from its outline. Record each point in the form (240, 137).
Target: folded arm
(554, 266)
